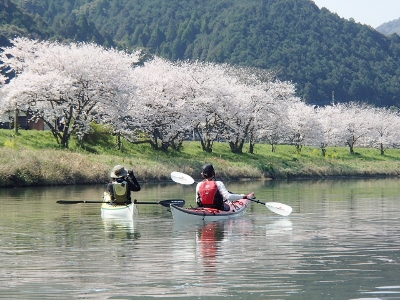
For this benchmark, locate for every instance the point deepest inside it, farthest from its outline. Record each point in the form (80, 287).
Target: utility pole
(333, 98)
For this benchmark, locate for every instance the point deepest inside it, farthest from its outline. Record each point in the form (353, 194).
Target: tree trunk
(351, 149)
(206, 144)
(119, 143)
(236, 147)
(350, 142)
(164, 146)
(252, 143)
(323, 149)
(298, 148)
(16, 120)
(297, 142)
(251, 148)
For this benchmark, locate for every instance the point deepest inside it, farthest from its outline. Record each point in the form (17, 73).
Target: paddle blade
(182, 178)
(279, 208)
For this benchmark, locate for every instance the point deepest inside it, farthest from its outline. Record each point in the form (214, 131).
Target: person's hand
(250, 196)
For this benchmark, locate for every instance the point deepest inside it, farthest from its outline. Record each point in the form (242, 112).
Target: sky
(369, 12)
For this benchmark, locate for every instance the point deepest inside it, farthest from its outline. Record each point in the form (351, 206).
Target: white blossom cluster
(164, 102)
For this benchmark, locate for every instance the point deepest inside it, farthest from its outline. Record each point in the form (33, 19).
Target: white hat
(118, 171)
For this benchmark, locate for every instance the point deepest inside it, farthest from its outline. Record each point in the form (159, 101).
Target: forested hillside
(29, 21)
(17, 22)
(390, 27)
(322, 53)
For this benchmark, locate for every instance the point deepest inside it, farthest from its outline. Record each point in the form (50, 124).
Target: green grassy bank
(33, 158)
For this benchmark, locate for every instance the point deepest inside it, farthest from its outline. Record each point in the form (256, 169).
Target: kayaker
(121, 185)
(213, 193)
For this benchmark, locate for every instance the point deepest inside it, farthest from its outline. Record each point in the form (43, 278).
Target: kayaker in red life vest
(213, 193)
(123, 182)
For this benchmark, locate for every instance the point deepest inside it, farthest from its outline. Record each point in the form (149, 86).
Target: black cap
(208, 171)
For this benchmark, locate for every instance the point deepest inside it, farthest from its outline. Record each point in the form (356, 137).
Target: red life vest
(207, 191)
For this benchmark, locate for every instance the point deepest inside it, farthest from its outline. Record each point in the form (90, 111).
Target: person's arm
(133, 184)
(110, 190)
(226, 194)
(198, 200)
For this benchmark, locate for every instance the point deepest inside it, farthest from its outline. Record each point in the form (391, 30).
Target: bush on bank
(32, 158)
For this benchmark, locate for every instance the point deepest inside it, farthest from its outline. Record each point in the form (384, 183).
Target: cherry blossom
(66, 85)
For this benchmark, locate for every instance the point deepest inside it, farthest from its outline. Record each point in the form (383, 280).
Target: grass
(34, 158)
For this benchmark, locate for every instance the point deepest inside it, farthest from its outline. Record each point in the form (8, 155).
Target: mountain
(22, 19)
(323, 54)
(17, 22)
(390, 27)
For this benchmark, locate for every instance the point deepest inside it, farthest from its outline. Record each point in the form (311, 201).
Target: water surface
(340, 242)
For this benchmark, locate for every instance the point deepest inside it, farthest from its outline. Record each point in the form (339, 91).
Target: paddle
(182, 178)
(78, 201)
(278, 208)
(166, 203)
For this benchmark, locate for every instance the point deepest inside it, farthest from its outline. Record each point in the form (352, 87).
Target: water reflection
(209, 238)
(279, 227)
(120, 228)
(204, 251)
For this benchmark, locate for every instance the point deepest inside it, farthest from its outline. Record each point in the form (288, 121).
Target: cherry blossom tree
(212, 100)
(69, 86)
(3, 77)
(163, 109)
(354, 125)
(329, 117)
(272, 119)
(359, 124)
(385, 128)
(345, 124)
(66, 85)
(226, 110)
(208, 84)
(304, 126)
(238, 104)
(250, 102)
(120, 120)
(237, 116)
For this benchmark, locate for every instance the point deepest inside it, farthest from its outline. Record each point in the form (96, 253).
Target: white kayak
(109, 210)
(118, 211)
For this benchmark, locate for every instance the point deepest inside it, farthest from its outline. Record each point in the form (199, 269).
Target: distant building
(7, 122)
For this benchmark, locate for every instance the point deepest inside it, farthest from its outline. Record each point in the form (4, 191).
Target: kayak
(204, 214)
(118, 211)
(276, 207)
(109, 210)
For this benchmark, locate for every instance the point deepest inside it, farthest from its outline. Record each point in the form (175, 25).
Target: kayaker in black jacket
(213, 193)
(121, 185)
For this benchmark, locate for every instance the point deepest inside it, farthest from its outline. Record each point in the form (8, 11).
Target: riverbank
(32, 158)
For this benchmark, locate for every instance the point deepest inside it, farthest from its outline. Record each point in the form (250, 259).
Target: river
(340, 242)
